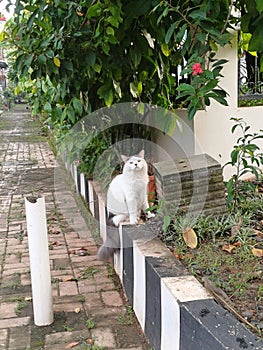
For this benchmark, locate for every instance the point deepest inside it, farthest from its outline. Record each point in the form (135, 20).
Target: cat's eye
(131, 162)
(139, 160)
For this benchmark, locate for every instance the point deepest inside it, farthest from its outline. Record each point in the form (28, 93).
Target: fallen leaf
(237, 244)
(190, 238)
(177, 255)
(258, 233)
(187, 256)
(28, 298)
(77, 310)
(68, 279)
(229, 248)
(53, 230)
(72, 345)
(257, 252)
(90, 341)
(56, 244)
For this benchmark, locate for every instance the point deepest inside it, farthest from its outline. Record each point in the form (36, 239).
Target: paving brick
(3, 339)
(68, 307)
(25, 279)
(14, 270)
(104, 337)
(111, 298)
(7, 310)
(66, 337)
(68, 288)
(93, 301)
(14, 322)
(19, 338)
(86, 287)
(101, 278)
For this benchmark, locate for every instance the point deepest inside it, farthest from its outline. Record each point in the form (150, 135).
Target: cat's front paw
(149, 214)
(134, 221)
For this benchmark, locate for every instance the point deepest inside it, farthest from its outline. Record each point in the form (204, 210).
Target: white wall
(212, 127)
(181, 144)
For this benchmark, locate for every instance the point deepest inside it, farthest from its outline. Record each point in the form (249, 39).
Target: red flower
(197, 69)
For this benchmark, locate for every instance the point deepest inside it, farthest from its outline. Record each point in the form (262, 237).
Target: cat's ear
(141, 154)
(124, 158)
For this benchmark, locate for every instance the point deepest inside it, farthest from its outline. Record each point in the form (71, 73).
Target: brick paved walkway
(89, 311)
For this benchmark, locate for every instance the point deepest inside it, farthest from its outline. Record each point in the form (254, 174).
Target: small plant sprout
(90, 323)
(246, 158)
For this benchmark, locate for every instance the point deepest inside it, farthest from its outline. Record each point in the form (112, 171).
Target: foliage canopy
(73, 57)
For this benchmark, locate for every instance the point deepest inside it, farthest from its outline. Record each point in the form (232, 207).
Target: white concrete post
(39, 261)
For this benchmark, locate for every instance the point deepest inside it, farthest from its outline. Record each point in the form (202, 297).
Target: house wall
(212, 128)
(210, 131)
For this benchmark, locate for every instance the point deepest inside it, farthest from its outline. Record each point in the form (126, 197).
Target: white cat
(127, 196)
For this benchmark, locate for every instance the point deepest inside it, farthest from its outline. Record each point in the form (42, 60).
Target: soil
(225, 262)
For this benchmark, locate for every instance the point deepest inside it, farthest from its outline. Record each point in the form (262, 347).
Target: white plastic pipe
(39, 261)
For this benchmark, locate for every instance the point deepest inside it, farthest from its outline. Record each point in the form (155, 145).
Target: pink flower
(197, 69)
(2, 19)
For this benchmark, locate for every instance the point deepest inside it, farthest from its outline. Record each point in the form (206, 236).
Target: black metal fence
(250, 79)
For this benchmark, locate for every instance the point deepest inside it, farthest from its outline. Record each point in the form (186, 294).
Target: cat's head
(134, 163)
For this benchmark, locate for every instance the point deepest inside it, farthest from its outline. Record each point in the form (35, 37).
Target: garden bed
(228, 258)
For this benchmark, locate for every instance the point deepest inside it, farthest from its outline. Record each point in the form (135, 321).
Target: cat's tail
(105, 253)
(111, 244)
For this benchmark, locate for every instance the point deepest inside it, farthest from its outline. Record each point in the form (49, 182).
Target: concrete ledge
(174, 310)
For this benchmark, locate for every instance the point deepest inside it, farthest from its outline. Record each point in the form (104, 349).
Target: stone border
(174, 310)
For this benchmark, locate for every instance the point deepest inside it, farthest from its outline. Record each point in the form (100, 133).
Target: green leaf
(186, 88)
(133, 90)
(91, 58)
(113, 21)
(31, 19)
(42, 59)
(110, 31)
(47, 107)
(67, 65)
(95, 10)
(251, 147)
(97, 68)
(136, 56)
(105, 92)
(117, 88)
(108, 98)
(166, 223)
(71, 115)
(219, 63)
(208, 87)
(259, 6)
(191, 112)
(180, 35)
(169, 33)
(49, 53)
(219, 99)
(198, 15)
(77, 105)
(165, 50)
(213, 45)
(256, 42)
(141, 108)
(106, 48)
(234, 155)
